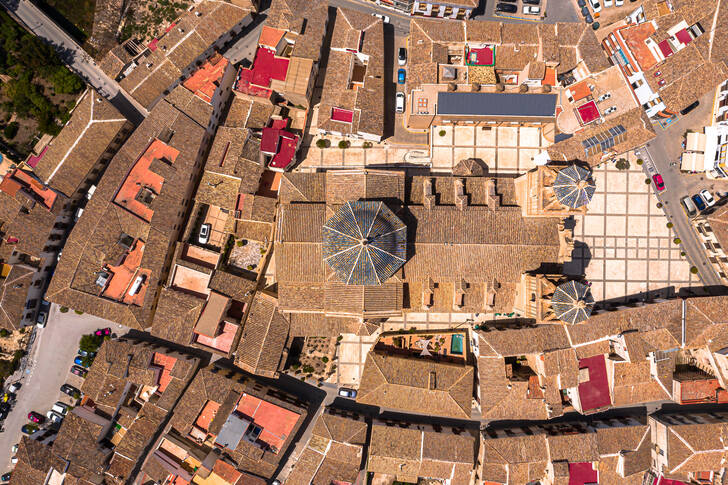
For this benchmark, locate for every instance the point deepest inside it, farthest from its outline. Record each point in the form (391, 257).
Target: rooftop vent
(101, 278)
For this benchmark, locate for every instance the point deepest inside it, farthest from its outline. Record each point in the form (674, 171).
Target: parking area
(217, 220)
(555, 11)
(504, 149)
(624, 248)
(48, 366)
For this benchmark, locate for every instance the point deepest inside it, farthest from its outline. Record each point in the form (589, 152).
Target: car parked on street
(399, 103)
(698, 201)
(69, 390)
(659, 183)
(103, 332)
(54, 418)
(81, 362)
(618, 3)
(78, 371)
(385, 18)
(60, 408)
(5, 478)
(14, 448)
(346, 392)
(402, 56)
(84, 353)
(36, 417)
(690, 208)
(531, 10)
(505, 8)
(29, 429)
(595, 5)
(401, 76)
(707, 198)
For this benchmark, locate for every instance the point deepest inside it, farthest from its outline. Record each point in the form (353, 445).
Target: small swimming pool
(456, 345)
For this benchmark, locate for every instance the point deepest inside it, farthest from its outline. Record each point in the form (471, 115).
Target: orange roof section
(205, 80)
(550, 76)
(141, 176)
(18, 179)
(270, 37)
(277, 422)
(580, 90)
(123, 275)
(224, 339)
(207, 415)
(166, 362)
(226, 471)
(634, 38)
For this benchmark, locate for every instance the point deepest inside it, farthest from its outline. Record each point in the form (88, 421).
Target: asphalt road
(75, 57)
(661, 153)
(49, 361)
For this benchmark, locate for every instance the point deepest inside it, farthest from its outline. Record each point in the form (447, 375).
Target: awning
(695, 142)
(692, 162)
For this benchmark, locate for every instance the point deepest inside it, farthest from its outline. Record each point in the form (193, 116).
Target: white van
(90, 192)
(60, 408)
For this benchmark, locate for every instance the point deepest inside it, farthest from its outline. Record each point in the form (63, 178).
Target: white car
(14, 449)
(595, 5)
(531, 10)
(619, 3)
(204, 236)
(346, 392)
(707, 198)
(384, 18)
(608, 3)
(402, 56)
(399, 103)
(54, 417)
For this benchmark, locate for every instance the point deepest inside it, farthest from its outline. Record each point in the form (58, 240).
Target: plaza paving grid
(623, 246)
(505, 149)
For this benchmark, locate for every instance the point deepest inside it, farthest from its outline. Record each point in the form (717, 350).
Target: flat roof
(497, 104)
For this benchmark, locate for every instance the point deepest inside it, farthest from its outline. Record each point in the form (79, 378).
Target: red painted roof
(343, 115)
(666, 481)
(244, 86)
(223, 341)
(279, 124)
(588, 112)
(207, 415)
(166, 362)
(665, 48)
(702, 390)
(269, 140)
(277, 422)
(683, 36)
(286, 151)
(481, 57)
(594, 393)
(582, 473)
(34, 159)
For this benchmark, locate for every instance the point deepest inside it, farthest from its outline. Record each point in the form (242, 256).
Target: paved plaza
(623, 245)
(505, 149)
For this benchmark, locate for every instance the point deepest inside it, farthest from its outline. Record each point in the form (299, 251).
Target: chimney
(432, 384)
(461, 200)
(491, 197)
(459, 294)
(429, 198)
(428, 294)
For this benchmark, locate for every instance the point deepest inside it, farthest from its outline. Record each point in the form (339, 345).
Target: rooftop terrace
(142, 185)
(266, 67)
(277, 422)
(206, 79)
(19, 180)
(121, 277)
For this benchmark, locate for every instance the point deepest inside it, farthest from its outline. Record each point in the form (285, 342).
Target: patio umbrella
(574, 186)
(572, 302)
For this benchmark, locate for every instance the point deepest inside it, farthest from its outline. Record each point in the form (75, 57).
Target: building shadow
(581, 256)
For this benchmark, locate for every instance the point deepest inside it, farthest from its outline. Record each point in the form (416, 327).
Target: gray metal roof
(232, 431)
(496, 104)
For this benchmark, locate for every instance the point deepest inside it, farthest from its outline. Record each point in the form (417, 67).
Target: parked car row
(698, 202)
(530, 7)
(401, 79)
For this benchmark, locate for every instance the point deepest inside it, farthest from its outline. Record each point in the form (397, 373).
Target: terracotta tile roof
(264, 337)
(248, 112)
(404, 383)
(95, 239)
(176, 315)
(302, 18)
(34, 462)
(13, 295)
(94, 128)
(363, 33)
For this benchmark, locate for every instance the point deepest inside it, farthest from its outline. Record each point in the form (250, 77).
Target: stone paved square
(507, 136)
(464, 135)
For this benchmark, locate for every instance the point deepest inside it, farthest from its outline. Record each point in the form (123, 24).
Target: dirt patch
(17, 340)
(317, 358)
(246, 254)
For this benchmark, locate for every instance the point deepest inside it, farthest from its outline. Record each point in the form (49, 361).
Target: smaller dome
(574, 186)
(572, 302)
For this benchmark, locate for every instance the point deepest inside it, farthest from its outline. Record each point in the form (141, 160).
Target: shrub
(249, 267)
(339, 338)
(4, 332)
(442, 132)
(640, 161)
(343, 144)
(647, 181)
(324, 359)
(659, 205)
(11, 130)
(78, 312)
(63, 309)
(694, 270)
(90, 342)
(367, 144)
(323, 143)
(622, 164)
(677, 240)
(670, 225)
(295, 365)
(682, 253)
(239, 244)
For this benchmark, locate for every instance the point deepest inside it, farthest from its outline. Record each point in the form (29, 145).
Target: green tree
(11, 130)
(622, 164)
(65, 81)
(90, 342)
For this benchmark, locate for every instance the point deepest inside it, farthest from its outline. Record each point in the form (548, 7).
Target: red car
(103, 332)
(659, 183)
(658, 74)
(35, 417)
(661, 82)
